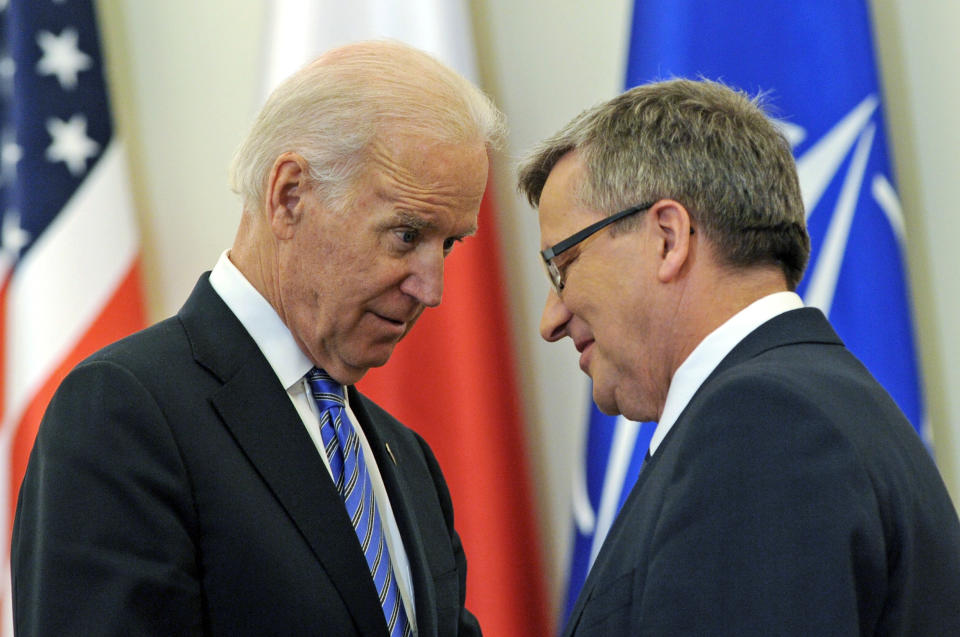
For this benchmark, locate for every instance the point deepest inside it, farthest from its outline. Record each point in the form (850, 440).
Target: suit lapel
(805, 325)
(592, 578)
(401, 501)
(256, 410)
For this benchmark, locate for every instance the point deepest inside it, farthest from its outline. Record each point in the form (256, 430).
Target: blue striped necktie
(350, 474)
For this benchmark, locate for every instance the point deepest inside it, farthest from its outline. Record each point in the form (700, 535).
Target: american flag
(69, 251)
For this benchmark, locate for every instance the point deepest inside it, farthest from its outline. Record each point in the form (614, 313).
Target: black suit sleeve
(105, 520)
(770, 525)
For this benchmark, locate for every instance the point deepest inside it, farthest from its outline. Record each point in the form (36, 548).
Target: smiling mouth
(585, 350)
(582, 345)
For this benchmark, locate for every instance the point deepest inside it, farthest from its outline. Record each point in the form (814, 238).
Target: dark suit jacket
(173, 490)
(791, 497)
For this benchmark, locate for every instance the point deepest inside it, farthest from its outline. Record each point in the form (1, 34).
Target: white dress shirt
(291, 365)
(707, 355)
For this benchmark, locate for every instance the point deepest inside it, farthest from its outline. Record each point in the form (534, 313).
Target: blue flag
(814, 63)
(54, 117)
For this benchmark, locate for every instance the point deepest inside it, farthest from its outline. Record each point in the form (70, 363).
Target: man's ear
(672, 225)
(285, 187)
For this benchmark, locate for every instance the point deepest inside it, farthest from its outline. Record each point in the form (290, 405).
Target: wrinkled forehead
(427, 155)
(425, 179)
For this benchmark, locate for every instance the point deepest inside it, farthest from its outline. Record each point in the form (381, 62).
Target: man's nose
(553, 321)
(425, 280)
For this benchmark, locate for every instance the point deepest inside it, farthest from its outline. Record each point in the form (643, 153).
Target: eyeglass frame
(548, 255)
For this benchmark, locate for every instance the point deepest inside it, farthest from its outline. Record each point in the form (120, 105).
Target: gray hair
(332, 109)
(709, 147)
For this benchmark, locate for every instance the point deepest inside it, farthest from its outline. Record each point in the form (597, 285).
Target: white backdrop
(186, 76)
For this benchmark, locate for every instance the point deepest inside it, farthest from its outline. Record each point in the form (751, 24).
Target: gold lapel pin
(390, 451)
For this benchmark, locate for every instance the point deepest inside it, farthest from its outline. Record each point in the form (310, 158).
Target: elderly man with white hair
(218, 473)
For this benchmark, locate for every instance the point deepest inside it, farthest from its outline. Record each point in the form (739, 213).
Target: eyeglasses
(548, 255)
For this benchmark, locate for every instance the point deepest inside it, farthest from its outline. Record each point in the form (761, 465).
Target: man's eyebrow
(414, 221)
(420, 223)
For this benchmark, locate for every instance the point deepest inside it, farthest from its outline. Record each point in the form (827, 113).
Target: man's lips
(585, 348)
(397, 322)
(389, 319)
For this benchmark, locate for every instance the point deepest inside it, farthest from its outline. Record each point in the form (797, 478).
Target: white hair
(332, 109)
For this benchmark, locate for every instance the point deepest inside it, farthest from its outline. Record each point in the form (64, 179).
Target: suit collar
(209, 324)
(258, 413)
(261, 322)
(712, 349)
(806, 325)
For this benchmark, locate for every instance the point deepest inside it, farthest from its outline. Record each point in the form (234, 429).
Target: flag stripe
(49, 306)
(301, 29)
(120, 316)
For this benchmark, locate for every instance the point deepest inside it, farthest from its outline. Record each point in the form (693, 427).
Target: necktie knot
(326, 391)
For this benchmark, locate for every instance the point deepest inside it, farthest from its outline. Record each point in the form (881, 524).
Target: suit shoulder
(824, 382)
(157, 360)
(815, 403)
(154, 344)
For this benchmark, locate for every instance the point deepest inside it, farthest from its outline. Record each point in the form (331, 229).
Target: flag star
(61, 57)
(7, 69)
(70, 143)
(12, 237)
(10, 154)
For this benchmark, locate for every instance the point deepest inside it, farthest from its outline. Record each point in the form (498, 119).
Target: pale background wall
(185, 79)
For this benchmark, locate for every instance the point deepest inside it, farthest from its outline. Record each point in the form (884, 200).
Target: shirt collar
(714, 348)
(261, 321)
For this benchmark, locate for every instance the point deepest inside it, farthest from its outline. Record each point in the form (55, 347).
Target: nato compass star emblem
(817, 168)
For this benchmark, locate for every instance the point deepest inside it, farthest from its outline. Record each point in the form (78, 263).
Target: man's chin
(378, 359)
(608, 410)
(605, 403)
(350, 371)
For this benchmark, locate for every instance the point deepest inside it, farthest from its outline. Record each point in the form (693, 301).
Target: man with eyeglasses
(784, 492)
